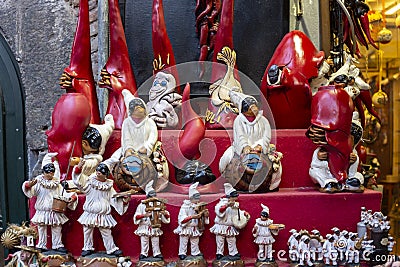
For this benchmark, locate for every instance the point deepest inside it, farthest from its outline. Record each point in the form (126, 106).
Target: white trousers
(105, 234)
(145, 244)
(194, 245)
(264, 251)
(230, 240)
(55, 237)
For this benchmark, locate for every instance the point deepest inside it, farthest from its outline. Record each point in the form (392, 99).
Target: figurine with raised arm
(293, 245)
(149, 216)
(100, 197)
(193, 215)
(263, 231)
(163, 100)
(48, 190)
(260, 167)
(353, 250)
(329, 250)
(229, 219)
(304, 251)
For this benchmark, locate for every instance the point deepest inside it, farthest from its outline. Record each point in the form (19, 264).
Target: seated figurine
(163, 100)
(251, 163)
(140, 158)
(49, 191)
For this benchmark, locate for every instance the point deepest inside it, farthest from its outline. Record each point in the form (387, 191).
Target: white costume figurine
(251, 134)
(189, 218)
(329, 250)
(304, 251)
(99, 193)
(352, 253)
(316, 245)
(224, 227)
(319, 170)
(341, 244)
(262, 231)
(163, 100)
(293, 244)
(45, 187)
(145, 230)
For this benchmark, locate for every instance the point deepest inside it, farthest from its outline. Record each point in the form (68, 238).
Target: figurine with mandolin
(149, 216)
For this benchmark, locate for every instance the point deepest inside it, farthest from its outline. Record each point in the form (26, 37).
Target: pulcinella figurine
(229, 219)
(251, 164)
(262, 232)
(192, 218)
(149, 216)
(100, 197)
(52, 200)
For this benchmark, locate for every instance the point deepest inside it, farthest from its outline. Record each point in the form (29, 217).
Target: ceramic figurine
(192, 218)
(304, 251)
(330, 130)
(140, 157)
(316, 246)
(23, 238)
(49, 192)
(228, 221)
(221, 112)
(335, 233)
(293, 244)
(341, 244)
(263, 231)
(149, 216)
(353, 250)
(259, 164)
(329, 250)
(94, 141)
(163, 100)
(100, 197)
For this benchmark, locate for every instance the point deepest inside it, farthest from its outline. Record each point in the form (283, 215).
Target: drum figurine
(149, 215)
(227, 222)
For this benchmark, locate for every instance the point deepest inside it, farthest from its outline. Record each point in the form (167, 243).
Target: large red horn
(223, 38)
(162, 49)
(78, 77)
(117, 73)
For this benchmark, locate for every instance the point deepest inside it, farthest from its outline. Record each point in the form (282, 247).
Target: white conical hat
(315, 232)
(193, 190)
(237, 98)
(47, 158)
(128, 97)
(149, 187)
(228, 189)
(265, 208)
(293, 231)
(105, 131)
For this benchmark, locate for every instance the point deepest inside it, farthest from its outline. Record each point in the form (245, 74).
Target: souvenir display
(263, 231)
(23, 238)
(251, 164)
(228, 221)
(51, 202)
(100, 197)
(192, 218)
(150, 214)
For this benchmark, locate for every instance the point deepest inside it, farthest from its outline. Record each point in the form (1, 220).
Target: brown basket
(59, 205)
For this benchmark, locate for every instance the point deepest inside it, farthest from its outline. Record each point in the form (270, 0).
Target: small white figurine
(46, 187)
(341, 244)
(229, 218)
(100, 198)
(304, 251)
(163, 99)
(293, 244)
(352, 253)
(329, 250)
(263, 231)
(149, 215)
(192, 217)
(316, 245)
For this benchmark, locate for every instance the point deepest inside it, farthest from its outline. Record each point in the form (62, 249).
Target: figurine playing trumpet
(192, 218)
(229, 218)
(149, 215)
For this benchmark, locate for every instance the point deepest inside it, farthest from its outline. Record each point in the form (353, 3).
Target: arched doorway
(13, 206)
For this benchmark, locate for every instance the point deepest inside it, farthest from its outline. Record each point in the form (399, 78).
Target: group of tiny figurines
(341, 247)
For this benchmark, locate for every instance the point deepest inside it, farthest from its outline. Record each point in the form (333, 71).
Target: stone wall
(40, 34)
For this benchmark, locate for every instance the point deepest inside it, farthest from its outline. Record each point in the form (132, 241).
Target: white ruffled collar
(102, 186)
(264, 223)
(49, 184)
